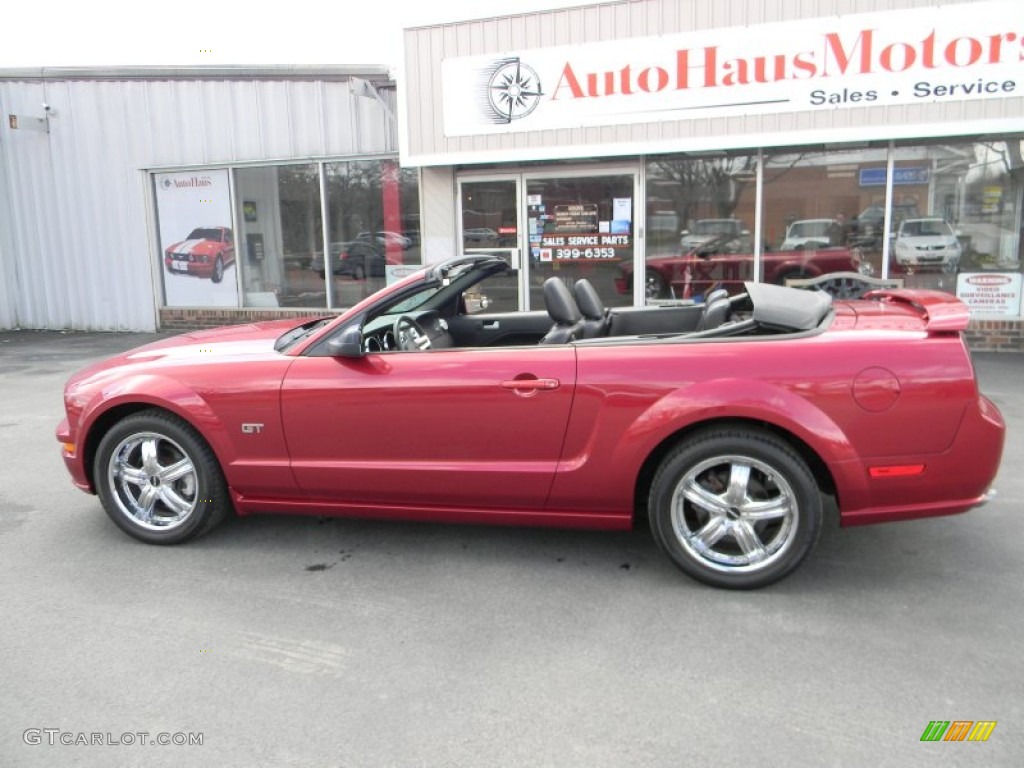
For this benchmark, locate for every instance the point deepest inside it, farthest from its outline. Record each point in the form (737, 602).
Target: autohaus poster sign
(951, 52)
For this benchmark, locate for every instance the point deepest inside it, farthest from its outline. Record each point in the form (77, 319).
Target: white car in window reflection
(808, 233)
(480, 236)
(927, 243)
(386, 239)
(733, 231)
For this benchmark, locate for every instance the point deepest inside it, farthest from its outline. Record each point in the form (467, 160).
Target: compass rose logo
(513, 90)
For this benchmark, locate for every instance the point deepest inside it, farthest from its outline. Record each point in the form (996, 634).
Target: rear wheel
(158, 480)
(735, 508)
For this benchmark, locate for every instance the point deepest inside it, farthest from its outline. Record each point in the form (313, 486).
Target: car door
(462, 428)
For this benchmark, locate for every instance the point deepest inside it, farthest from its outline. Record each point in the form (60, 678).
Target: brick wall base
(995, 336)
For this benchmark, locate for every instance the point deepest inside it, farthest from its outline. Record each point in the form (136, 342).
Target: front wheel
(735, 508)
(158, 480)
(218, 270)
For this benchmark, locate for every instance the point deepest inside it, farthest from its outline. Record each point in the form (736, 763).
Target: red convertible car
(731, 425)
(206, 252)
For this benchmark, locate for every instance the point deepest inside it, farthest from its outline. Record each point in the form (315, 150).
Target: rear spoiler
(942, 311)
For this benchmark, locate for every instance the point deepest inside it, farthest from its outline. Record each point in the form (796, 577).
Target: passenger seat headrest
(587, 300)
(559, 302)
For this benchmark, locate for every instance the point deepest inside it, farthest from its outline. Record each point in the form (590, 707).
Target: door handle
(491, 325)
(531, 385)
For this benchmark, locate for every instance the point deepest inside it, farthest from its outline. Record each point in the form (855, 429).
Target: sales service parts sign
(950, 52)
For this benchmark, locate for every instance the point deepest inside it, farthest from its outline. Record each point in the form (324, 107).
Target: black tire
(218, 270)
(158, 480)
(359, 271)
(759, 512)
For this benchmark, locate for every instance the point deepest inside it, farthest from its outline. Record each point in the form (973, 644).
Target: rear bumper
(953, 482)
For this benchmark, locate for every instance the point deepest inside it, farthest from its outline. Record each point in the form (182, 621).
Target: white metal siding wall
(426, 47)
(76, 248)
(437, 214)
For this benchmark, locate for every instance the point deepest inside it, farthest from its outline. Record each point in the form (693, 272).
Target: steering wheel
(410, 336)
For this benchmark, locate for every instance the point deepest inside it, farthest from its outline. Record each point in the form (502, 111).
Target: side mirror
(348, 343)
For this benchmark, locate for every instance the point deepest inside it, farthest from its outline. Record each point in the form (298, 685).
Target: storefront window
(964, 231)
(373, 225)
(700, 219)
(824, 212)
(280, 236)
(581, 227)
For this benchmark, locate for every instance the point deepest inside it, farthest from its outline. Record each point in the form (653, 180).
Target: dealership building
(657, 147)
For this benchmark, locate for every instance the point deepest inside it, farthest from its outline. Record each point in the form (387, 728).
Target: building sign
(576, 218)
(990, 293)
(576, 232)
(953, 53)
(875, 177)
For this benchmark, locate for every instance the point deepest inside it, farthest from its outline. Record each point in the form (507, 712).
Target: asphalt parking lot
(299, 642)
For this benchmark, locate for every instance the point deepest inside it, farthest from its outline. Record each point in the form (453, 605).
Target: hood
(926, 241)
(240, 342)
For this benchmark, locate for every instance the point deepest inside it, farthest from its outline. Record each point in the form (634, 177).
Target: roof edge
(374, 72)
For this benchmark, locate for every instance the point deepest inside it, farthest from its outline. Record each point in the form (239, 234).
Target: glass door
(489, 223)
(572, 224)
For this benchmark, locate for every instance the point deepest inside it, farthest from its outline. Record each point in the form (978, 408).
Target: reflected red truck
(714, 264)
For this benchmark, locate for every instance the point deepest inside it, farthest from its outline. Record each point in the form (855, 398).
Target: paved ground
(290, 642)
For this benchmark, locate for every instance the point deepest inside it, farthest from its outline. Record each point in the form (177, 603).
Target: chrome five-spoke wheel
(153, 480)
(735, 507)
(158, 479)
(734, 513)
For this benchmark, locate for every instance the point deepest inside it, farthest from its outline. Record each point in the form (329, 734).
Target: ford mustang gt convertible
(732, 425)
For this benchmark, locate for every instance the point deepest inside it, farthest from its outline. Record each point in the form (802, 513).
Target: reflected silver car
(927, 243)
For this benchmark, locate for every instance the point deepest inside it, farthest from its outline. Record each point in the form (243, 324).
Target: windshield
(297, 334)
(715, 227)
(927, 228)
(204, 233)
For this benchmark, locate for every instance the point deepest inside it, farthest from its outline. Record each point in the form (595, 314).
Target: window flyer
(197, 248)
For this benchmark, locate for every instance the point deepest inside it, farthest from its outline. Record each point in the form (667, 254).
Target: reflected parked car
(727, 233)
(386, 239)
(357, 259)
(480, 236)
(808, 233)
(924, 243)
(732, 427)
(206, 252)
(717, 264)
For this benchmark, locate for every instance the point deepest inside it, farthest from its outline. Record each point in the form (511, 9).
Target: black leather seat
(596, 318)
(563, 311)
(715, 313)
